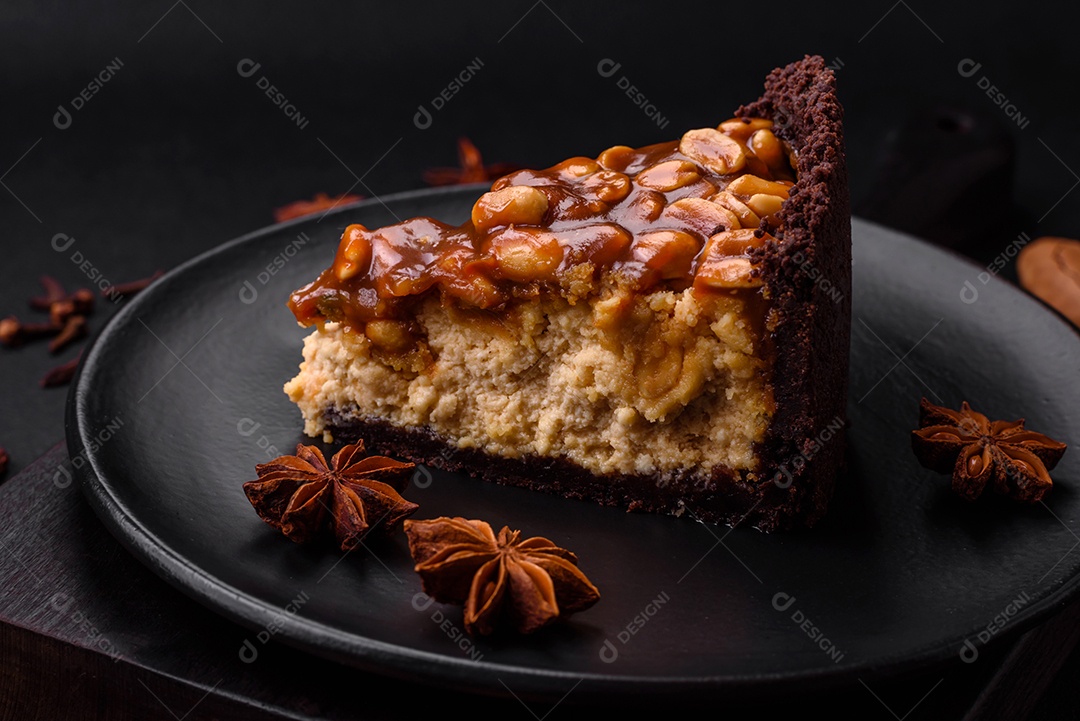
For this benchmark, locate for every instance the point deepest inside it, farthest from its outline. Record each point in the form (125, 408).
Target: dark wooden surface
(87, 632)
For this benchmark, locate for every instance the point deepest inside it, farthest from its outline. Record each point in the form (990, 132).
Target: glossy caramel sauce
(672, 215)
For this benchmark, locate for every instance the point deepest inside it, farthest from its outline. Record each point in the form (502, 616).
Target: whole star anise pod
(978, 451)
(299, 495)
(501, 580)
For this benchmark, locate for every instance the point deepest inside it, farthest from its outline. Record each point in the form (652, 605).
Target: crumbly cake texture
(551, 383)
(726, 428)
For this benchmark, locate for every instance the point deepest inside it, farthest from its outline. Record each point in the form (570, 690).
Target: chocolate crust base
(722, 497)
(803, 450)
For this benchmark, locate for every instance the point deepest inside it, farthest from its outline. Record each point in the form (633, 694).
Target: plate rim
(410, 664)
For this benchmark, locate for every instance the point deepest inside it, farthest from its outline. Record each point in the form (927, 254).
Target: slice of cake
(662, 328)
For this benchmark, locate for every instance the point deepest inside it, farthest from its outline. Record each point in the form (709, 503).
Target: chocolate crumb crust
(802, 452)
(810, 371)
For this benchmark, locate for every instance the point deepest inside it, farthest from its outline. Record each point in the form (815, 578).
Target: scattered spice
(67, 317)
(4, 460)
(14, 333)
(121, 291)
(53, 293)
(59, 304)
(1015, 462)
(74, 329)
(471, 170)
(67, 321)
(296, 494)
(62, 374)
(81, 302)
(321, 202)
(502, 581)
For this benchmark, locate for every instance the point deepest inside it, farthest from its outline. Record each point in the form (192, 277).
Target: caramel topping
(673, 215)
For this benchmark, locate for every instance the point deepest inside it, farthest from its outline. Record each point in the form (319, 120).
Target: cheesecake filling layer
(660, 383)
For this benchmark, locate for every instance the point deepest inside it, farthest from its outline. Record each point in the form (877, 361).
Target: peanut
(669, 175)
(390, 335)
(526, 254)
(607, 185)
(731, 242)
(475, 290)
(752, 185)
(701, 215)
(617, 157)
(726, 273)
(741, 129)
(516, 205)
(600, 244)
(576, 167)
(767, 147)
(644, 207)
(792, 156)
(354, 253)
(714, 150)
(747, 217)
(765, 205)
(464, 277)
(669, 253)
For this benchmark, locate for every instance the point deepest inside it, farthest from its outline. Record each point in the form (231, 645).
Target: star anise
(472, 168)
(501, 580)
(977, 451)
(299, 495)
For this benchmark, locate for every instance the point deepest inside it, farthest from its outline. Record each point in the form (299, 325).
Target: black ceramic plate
(180, 397)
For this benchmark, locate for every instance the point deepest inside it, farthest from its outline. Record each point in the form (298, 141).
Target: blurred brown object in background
(320, 203)
(472, 168)
(1049, 269)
